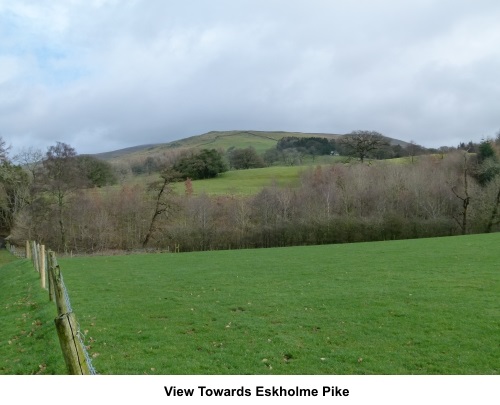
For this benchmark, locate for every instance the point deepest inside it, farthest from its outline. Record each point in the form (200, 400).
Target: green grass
(428, 306)
(246, 182)
(242, 182)
(28, 337)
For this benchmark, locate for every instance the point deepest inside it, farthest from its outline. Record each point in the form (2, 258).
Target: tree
(361, 143)
(414, 149)
(246, 158)
(14, 193)
(31, 159)
(205, 164)
(99, 172)
(485, 151)
(161, 189)
(62, 175)
(487, 171)
(4, 151)
(465, 196)
(14, 188)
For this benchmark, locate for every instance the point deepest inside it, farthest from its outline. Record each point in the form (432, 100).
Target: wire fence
(71, 338)
(79, 335)
(20, 253)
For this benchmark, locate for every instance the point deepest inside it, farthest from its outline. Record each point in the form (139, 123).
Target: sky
(102, 75)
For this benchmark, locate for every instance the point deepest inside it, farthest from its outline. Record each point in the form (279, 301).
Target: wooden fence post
(71, 346)
(66, 324)
(34, 259)
(52, 262)
(28, 250)
(43, 277)
(55, 274)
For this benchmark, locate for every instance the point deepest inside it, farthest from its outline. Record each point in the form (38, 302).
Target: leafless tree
(30, 159)
(61, 177)
(161, 189)
(464, 195)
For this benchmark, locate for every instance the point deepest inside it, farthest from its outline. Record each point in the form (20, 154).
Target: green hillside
(260, 140)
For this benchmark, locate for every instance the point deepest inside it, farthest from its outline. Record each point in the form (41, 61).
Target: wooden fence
(72, 346)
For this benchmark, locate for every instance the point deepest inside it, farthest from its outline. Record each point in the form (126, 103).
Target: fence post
(52, 262)
(28, 250)
(71, 346)
(42, 267)
(66, 324)
(34, 257)
(55, 273)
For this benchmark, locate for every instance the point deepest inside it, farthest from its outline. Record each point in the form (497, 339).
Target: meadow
(427, 306)
(242, 182)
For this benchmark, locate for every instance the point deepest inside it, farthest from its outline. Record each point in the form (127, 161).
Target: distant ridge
(125, 151)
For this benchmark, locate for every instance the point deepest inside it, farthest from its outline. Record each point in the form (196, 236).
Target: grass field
(242, 182)
(428, 306)
(247, 182)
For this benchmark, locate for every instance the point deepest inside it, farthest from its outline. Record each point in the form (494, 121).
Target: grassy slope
(251, 181)
(260, 140)
(246, 182)
(426, 306)
(28, 337)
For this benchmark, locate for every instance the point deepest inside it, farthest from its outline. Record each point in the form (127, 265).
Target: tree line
(58, 199)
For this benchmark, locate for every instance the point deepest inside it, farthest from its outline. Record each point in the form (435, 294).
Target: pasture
(241, 182)
(428, 306)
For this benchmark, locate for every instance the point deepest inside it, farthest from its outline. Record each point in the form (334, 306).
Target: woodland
(369, 190)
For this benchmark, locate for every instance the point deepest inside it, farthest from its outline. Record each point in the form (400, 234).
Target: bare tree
(162, 189)
(361, 143)
(464, 196)
(30, 159)
(61, 177)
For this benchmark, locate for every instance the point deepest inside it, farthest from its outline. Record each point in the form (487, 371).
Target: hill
(125, 151)
(260, 140)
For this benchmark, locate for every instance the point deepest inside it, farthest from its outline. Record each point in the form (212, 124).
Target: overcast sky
(102, 75)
